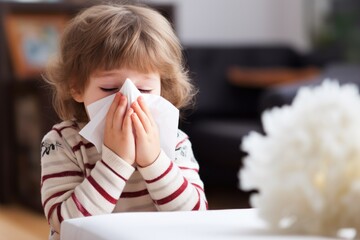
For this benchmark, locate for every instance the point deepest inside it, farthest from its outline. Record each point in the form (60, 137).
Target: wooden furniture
(268, 77)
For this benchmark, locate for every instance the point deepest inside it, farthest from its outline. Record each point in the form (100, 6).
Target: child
(100, 48)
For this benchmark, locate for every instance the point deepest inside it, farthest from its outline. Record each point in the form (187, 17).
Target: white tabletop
(209, 225)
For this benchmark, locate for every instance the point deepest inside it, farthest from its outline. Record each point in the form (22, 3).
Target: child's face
(104, 83)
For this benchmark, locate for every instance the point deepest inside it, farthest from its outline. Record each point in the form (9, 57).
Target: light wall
(234, 22)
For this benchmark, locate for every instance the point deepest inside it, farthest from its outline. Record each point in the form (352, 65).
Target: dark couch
(224, 113)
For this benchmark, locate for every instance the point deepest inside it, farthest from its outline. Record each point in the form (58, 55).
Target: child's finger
(111, 111)
(146, 109)
(142, 116)
(127, 121)
(139, 129)
(119, 113)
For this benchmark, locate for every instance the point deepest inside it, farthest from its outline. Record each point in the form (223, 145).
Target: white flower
(306, 168)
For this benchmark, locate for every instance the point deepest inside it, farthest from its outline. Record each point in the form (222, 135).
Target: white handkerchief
(164, 113)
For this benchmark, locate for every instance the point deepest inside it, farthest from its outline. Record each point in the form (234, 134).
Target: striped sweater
(78, 181)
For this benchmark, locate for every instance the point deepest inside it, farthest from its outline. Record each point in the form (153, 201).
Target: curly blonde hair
(107, 37)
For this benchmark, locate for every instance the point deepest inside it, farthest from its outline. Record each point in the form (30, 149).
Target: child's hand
(147, 138)
(118, 135)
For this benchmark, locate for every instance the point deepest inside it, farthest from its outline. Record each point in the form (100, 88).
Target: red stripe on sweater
(106, 165)
(62, 174)
(89, 165)
(162, 175)
(174, 195)
(181, 142)
(52, 196)
(79, 206)
(60, 218)
(51, 210)
(102, 191)
(134, 194)
(81, 143)
(59, 130)
(197, 206)
(192, 169)
(198, 186)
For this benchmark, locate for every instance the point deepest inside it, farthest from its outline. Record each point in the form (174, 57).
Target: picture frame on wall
(32, 40)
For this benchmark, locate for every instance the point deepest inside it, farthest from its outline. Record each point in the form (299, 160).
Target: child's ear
(76, 95)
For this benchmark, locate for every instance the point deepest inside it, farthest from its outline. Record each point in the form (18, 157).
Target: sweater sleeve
(176, 185)
(66, 191)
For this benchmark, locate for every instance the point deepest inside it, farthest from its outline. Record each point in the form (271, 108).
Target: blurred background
(244, 56)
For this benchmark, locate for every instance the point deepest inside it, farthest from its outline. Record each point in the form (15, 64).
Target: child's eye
(145, 91)
(109, 89)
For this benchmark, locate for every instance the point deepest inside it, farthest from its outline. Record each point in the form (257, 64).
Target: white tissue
(164, 113)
